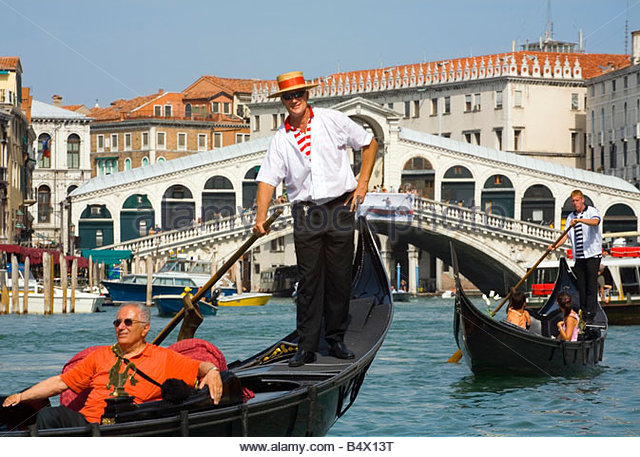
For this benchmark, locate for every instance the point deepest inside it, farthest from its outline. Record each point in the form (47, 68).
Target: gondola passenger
(516, 313)
(568, 327)
(131, 327)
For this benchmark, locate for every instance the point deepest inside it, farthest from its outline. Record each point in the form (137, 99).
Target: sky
(91, 51)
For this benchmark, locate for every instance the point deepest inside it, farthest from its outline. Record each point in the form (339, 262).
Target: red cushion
(203, 350)
(200, 350)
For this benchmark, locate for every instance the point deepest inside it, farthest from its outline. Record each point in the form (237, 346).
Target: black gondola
(499, 347)
(302, 401)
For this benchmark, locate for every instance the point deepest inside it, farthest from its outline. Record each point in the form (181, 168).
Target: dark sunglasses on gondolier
(127, 322)
(291, 95)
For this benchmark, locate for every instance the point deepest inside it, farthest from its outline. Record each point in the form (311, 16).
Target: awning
(109, 257)
(35, 255)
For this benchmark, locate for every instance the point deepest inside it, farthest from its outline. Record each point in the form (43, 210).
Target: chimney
(57, 100)
(635, 47)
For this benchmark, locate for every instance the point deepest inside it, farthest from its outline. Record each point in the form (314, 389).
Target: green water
(410, 390)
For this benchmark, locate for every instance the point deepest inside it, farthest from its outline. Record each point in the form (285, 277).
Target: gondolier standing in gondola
(309, 152)
(586, 241)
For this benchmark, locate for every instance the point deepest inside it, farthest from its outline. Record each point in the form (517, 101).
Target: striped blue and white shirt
(585, 239)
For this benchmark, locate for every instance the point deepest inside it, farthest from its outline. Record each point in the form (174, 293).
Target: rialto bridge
(202, 203)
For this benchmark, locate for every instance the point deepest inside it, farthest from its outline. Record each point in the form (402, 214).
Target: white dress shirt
(325, 173)
(591, 236)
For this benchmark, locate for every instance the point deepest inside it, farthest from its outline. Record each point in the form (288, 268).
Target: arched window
(127, 164)
(44, 204)
(498, 196)
(538, 205)
(458, 186)
(161, 159)
(73, 151)
(145, 161)
(619, 218)
(418, 174)
(218, 198)
(187, 110)
(250, 187)
(44, 151)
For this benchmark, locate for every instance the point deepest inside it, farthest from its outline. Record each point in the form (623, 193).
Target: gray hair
(145, 314)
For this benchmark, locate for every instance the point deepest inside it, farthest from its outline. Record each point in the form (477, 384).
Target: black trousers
(59, 417)
(586, 271)
(323, 236)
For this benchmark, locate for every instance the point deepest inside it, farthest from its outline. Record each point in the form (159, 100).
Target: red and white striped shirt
(315, 167)
(303, 139)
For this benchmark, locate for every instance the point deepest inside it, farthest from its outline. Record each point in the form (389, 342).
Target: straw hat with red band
(291, 82)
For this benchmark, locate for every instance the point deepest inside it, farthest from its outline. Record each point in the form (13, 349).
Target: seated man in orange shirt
(516, 314)
(158, 363)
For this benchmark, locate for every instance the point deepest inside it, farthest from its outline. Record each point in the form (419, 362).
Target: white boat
(84, 302)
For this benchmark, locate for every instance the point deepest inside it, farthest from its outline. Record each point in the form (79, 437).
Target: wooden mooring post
(63, 282)
(74, 283)
(149, 280)
(27, 275)
(15, 285)
(48, 282)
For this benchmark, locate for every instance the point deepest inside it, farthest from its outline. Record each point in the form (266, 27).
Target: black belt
(331, 202)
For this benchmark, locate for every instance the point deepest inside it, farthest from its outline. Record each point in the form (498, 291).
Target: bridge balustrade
(236, 228)
(472, 219)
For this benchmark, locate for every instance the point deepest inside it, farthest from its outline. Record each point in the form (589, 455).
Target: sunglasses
(291, 95)
(127, 322)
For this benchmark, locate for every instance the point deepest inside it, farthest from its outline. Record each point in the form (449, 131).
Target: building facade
(209, 114)
(63, 163)
(613, 120)
(16, 161)
(528, 102)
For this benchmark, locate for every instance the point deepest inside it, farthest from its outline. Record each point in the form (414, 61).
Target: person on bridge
(586, 241)
(309, 152)
(131, 327)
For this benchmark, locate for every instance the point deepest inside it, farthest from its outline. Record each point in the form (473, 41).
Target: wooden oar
(455, 358)
(188, 300)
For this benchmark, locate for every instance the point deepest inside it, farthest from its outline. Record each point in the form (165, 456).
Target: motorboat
(171, 279)
(169, 305)
(244, 299)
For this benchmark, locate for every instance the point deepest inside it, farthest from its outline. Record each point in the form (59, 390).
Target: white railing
(210, 232)
(471, 219)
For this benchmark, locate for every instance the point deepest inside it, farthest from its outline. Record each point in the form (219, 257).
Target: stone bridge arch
(489, 267)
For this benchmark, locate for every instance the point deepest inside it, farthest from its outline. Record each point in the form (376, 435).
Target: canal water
(409, 391)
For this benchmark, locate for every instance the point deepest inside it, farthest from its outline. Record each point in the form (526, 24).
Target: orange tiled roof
(10, 63)
(592, 65)
(208, 85)
(120, 107)
(72, 107)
